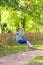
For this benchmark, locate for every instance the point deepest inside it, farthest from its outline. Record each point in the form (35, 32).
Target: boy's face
(20, 30)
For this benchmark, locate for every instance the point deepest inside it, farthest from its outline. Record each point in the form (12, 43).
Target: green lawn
(13, 48)
(37, 61)
(37, 44)
(17, 47)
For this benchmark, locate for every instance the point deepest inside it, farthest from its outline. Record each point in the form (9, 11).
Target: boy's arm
(23, 34)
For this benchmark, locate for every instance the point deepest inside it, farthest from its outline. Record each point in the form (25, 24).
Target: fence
(10, 37)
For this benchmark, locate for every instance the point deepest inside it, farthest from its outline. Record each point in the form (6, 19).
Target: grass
(17, 47)
(37, 61)
(38, 44)
(14, 48)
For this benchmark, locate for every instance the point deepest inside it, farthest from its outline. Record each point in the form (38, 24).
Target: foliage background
(21, 13)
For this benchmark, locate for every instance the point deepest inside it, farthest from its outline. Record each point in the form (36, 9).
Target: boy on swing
(19, 37)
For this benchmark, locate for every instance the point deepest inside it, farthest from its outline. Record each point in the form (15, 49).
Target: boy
(19, 37)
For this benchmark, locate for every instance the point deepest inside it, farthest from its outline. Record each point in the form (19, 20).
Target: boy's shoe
(33, 48)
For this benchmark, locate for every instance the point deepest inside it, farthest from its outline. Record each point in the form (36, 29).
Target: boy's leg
(25, 41)
(22, 41)
(31, 47)
(29, 44)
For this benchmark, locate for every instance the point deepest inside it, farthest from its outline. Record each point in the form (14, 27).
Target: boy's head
(20, 29)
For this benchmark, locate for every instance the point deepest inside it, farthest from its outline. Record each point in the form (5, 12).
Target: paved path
(20, 58)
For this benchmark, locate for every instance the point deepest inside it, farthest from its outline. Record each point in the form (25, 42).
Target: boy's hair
(20, 28)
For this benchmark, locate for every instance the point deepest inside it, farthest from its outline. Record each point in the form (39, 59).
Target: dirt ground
(20, 58)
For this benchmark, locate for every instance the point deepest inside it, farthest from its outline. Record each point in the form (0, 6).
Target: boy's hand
(23, 33)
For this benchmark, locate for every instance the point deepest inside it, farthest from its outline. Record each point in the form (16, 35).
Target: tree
(30, 15)
(0, 19)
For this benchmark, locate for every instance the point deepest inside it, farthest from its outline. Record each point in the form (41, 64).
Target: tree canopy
(22, 13)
